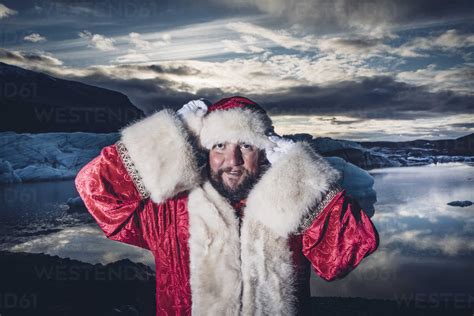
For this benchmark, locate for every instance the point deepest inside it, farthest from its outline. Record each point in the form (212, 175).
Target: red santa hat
(235, 119)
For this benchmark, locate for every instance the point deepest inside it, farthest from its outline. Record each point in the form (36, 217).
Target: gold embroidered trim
(131, 169)
(308, 220)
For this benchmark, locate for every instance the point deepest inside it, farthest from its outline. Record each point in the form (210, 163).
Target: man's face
(234, 168)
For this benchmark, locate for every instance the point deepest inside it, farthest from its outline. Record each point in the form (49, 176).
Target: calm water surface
(426, 246)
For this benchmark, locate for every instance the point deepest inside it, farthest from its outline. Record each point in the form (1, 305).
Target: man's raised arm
(153, 160)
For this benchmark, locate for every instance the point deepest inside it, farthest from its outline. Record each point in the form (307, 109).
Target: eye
(247, 147)
(219, 146)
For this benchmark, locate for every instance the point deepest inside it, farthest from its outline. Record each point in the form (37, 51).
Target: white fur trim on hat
(234, 125)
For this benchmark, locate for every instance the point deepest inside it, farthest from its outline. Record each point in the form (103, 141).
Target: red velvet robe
(334, 242)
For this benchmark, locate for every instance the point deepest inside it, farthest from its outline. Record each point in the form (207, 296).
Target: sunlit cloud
(39, 60)
(449, 40)
(35, 38)
(343, 127)
(281, 37)
(98, 41)
(6, 12)
(459, 79)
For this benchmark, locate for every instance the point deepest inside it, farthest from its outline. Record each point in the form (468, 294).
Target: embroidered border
(308, 220)
(132, 171)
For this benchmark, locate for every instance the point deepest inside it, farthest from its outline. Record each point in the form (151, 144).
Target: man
(237, 235)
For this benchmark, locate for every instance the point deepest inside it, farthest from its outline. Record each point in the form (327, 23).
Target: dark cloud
(178, 70)
(349, 14)
(379, 97)
(144, 10)
(8, 56)
(149, 95)
(463, 125)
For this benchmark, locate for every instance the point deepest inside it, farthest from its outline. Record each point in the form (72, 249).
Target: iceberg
(357, 182)
(460, 203)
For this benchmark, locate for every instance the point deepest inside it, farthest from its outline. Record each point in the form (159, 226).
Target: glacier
(48, 156)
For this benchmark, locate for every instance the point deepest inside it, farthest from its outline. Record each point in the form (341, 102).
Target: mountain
(463, 146)
(35, 102)
(382, 154)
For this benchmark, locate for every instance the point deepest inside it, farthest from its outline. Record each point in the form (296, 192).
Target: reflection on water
(86, 243)
(34, 219)
(426, 246)
(29, 210)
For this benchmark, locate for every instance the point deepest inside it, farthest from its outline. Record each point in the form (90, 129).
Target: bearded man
(235, 233)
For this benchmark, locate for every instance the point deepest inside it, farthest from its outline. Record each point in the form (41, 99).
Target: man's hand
(282, 146)
(198, 107)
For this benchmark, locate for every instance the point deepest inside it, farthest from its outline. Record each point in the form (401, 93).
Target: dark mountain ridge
(35, 102)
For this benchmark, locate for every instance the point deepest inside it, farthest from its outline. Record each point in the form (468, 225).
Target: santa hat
(235, 119)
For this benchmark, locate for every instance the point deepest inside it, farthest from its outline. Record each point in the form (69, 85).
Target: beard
(240, 192)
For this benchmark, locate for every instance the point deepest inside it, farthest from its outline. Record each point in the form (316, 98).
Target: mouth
(234, 173)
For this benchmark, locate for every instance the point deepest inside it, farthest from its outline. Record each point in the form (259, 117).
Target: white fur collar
(287, 191)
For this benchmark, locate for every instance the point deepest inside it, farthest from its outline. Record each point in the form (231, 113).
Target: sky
(362, 70)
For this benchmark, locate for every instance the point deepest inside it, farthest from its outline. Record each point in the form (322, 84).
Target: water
(426, 247)
(34, 218)
(34, 209)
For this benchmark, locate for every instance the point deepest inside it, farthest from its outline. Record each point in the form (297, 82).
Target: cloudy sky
(348, 69)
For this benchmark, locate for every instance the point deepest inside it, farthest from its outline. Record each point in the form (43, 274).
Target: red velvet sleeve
(339, 238)
(112, 198)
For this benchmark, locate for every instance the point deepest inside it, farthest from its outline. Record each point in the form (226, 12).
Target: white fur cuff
(159, 148)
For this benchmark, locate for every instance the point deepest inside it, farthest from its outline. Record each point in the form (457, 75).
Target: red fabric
(339, 238)
(233, 102)
(111, 197)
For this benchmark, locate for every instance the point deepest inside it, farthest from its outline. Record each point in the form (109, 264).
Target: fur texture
(214, 249)
(234, 125)
(287, 191)
(267, 272)
(258, 261)
(162, 155)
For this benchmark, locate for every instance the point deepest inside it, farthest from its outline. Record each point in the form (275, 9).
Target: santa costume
(213, 257)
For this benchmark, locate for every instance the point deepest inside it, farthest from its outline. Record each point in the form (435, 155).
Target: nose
(234, 156)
